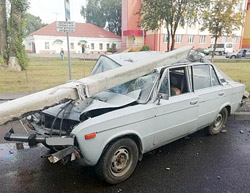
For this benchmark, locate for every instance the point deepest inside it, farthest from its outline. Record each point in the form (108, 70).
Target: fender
(92, 149)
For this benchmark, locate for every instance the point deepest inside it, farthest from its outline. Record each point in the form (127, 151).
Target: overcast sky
(50, 10)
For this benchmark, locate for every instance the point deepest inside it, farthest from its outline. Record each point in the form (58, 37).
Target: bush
(112, 50)
(145, 48)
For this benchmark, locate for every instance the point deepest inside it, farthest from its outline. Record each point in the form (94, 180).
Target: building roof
(82, 30)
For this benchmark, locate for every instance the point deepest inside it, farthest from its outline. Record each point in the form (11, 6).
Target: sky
(52, 10)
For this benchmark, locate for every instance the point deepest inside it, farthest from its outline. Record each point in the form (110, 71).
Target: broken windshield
(144, 84)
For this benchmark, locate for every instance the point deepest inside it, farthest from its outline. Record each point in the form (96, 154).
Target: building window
(107, 46)
(191, 39)
(100, 46)
(165, 37)
(46, 45)
(114, 46)
(179, 38)
(72, 46)
(92, 46)
(202, 39)
(224, 39)
(235, 40)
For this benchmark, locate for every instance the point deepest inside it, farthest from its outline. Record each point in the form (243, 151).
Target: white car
(113, 129)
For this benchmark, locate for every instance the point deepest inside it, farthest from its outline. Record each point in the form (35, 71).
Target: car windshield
(144, 84)
(103, 64)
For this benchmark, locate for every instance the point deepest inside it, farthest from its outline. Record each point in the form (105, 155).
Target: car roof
(131, 57)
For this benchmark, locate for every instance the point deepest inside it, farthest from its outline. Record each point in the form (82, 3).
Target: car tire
(118, 161)
(218, 123)
(232, 57)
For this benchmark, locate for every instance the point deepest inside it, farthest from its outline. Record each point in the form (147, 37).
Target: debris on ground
(219, 177)
(241, 131)
(168, 169)
(223, 131)
(119, 190)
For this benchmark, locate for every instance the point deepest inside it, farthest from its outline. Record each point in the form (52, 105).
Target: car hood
(98, 104)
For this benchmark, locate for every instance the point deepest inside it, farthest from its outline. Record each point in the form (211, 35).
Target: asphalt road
(199, 163)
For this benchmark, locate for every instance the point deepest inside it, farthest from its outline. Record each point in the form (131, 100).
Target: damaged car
(114, 128)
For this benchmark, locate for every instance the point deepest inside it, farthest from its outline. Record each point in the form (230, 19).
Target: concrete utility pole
(87, 87)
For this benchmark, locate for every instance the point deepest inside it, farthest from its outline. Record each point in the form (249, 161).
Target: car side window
(201, 76)
(164, 88)
(215, 80)
(177, 83)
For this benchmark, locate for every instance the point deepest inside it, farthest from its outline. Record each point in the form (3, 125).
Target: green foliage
(171, 14)
(104, 13)
(221, 18)
(32, 23)
(145, 48)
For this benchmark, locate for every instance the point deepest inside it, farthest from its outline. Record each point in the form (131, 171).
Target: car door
(210, 93)
(177, 110)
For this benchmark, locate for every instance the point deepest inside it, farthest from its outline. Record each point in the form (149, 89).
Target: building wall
(75, 46)
(246, 36)
(133, 19)
(155, 39)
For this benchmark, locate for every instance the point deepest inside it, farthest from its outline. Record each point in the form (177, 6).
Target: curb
(240, 116)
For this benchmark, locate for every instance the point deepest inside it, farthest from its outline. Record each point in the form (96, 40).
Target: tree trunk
(168, 39)
(16, 29)
(173, 41)
(3, 29)
(215, 42)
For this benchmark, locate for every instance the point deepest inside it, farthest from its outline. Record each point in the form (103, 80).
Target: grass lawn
(43, 73)
(237, 70)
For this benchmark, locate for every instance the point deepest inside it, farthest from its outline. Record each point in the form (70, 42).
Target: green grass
(43, 73)
(237, 70)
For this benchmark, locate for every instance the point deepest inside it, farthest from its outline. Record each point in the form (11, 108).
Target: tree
(3, 30)
(17, 55)
(222, 19)
(171, 14)
(104, 13)
(112, 13)
(32, 23)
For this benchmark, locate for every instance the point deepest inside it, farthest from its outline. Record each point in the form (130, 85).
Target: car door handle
(221, 94)
(194, 102)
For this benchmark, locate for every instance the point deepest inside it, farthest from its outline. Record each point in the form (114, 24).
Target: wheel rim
(121, 162)
(218, 122)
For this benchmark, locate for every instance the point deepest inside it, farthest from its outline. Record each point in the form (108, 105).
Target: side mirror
(159, 97)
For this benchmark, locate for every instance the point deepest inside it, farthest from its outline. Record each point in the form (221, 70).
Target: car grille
(67, 124)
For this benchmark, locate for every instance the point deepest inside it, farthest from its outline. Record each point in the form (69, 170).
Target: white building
(88, 38)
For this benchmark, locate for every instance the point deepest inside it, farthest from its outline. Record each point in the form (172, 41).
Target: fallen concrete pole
(86, 87)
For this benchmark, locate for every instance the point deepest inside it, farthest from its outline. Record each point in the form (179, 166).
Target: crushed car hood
(98, 104)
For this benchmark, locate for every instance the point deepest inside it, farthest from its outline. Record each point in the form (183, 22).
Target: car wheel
(218, 123)
(118, 161)
(233, 57)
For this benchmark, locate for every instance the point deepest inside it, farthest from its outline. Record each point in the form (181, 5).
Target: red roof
(82, 30)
